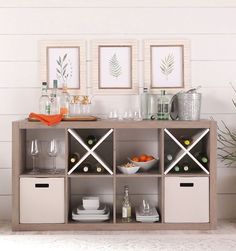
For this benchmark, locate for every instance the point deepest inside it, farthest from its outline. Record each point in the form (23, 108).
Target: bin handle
(41, 185)
(186, 184)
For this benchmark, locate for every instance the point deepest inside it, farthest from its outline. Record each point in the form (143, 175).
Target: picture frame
(64, 61)
(167, 65)
(114, 67)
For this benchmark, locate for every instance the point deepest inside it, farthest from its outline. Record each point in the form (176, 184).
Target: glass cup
(34, 151)
(52, 152)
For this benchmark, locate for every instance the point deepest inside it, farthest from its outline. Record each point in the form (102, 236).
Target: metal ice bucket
(189, 106)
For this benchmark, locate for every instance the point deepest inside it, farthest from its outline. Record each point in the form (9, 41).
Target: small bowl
(129, 170)
(145, 166)
(91, 202)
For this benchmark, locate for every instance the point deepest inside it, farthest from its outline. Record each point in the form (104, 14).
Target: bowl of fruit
(145, 161)
(129, 168)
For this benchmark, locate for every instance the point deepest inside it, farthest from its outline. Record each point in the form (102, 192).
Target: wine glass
(34, 151)
(52, 152)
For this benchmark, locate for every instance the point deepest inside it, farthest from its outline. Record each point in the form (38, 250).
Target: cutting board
(72, 118)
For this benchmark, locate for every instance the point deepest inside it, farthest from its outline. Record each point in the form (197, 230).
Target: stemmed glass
(52, 152)
(34, 151)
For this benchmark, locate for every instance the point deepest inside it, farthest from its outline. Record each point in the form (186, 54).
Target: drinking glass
(52, 152)
(34, 151)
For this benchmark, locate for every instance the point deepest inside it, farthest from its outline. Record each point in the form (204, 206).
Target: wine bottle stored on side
(201, 157)
(91, 140)
(169, 157)
(99, 169)
(185, 167)
(186, 141)
(85, 168)
(176, 168)
(73, 159)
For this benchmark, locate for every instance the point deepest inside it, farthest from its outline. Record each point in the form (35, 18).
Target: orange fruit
(143, 158)
(135, 158)
(149, 158)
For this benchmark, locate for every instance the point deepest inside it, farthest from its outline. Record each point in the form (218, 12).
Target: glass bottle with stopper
(163, 106)
(126, 206)
(64, 101)
(44, 101)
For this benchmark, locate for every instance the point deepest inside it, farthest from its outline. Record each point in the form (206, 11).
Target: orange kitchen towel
(47, 119)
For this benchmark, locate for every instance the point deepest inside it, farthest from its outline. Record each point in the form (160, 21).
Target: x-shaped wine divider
(186, 151)
(89, 151)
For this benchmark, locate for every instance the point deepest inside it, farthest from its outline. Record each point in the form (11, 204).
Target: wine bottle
(126, 206)
(163, 106)
(99, 169)
(91, 140)
(201, 157)
(44, 101)
(185, 167)
(169, 157)
(186, 141)
(55, 100)
(176, 168)
(85, 167)
(73, 158)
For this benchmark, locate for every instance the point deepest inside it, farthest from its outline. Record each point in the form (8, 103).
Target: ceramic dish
(145, 166)
(128, 170)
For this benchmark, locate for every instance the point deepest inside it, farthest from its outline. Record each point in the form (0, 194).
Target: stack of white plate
(91, 215)
(148, 217)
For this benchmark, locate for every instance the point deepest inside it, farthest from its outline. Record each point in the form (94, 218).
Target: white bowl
(90, 202)
(145, 166)
(129, 170)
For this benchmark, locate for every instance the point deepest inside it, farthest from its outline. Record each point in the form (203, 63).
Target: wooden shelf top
(25, 124)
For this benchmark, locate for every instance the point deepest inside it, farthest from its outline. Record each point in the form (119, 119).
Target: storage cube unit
(186, 199)
(42, 200)
(48, 200)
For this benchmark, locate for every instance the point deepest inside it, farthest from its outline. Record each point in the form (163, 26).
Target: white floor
(222, 239)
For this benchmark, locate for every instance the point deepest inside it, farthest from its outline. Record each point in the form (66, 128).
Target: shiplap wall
(208, 24)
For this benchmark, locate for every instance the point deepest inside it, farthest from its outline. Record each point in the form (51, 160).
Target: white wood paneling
(209, 25)
(226, 206)
(5, 182)
(203, 46)
(6, 154)
(5, 207)
(226, 180)
(35, 21)
(120, 3)
(6, 126)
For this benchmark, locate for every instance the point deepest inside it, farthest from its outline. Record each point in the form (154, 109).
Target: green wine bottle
(91, 140)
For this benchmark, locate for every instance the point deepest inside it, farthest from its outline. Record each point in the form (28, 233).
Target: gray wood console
(184, 200)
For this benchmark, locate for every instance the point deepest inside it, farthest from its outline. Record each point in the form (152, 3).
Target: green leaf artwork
(167, 65)
(64, 68)
(115, 67)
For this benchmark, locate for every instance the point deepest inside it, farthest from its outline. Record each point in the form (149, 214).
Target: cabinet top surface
(25, 124)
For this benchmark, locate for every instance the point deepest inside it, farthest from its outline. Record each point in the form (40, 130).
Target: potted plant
(227, 142)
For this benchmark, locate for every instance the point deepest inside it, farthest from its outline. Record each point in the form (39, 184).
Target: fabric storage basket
(42, 200)
(186, 199)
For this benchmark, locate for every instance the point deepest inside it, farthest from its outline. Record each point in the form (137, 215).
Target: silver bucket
(189, 106)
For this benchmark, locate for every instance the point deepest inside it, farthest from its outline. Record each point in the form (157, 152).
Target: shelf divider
(186, 151)
(90, 151)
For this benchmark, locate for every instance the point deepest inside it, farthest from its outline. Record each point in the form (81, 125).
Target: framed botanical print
(65, 62)
(166, 64)
(114, 67)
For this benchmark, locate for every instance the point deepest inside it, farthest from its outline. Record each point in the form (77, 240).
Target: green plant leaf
(64, 57)
(115, 67)
(167, 65)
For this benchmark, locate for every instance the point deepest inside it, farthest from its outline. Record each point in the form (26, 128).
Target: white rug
(222, 239)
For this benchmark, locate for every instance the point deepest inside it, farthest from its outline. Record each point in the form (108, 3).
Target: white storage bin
(42, 200)
(186, 199)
